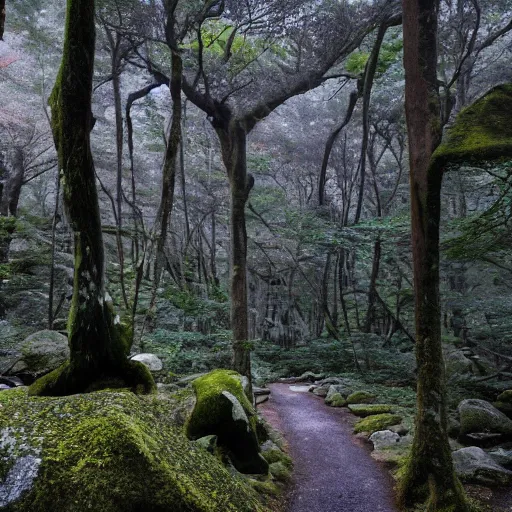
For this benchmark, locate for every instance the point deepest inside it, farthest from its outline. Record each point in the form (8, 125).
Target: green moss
(361, 397)
(65, 380)
(280, 472)
(215, 413)
(115, 452)
(364, 410)
(506, 396)
(481, 132)
(336, 400)
(376, 422)
(276, 455)
(266, 487)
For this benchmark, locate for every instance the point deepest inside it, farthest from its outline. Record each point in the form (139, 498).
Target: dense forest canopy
(296, 76)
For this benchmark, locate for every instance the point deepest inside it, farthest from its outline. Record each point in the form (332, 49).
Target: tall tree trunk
(369, 76)
(429, 473)
(372, 290)
(233, 139)
(168, 178)
(116, 88)
(52, 264)
(10, 189)
(99, 343)
(322, 179)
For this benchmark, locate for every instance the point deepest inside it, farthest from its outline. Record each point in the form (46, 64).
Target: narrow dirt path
(332, 472)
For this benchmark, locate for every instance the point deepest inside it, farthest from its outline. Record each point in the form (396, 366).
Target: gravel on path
(332, 472)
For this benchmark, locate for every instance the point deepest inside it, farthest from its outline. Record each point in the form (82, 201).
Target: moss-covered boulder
(224, 410)
(336, 400)
(481, 416)
(337, 388)
(364, 410)
(361, 397)
(504, 402)
(481, 132)
(505, 397)
(376, 422)
(41, 353)
(107, 452)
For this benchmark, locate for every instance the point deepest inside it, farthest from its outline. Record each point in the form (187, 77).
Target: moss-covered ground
(113, 452)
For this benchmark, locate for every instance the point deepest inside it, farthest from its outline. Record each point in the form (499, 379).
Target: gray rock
(456, 362)
(473, 465)
(501, 456)
(337, 388)
(321, 391)
(260, 394)
(383, 439)
(42, 352)
(331, 380)
(166, 388)
(153, 362)
(8, 358)
(208, 443)
(401, 429)
(19, 479)
(268, 445)
(481, 416)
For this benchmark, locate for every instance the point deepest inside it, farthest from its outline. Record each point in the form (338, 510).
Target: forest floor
(332, 471)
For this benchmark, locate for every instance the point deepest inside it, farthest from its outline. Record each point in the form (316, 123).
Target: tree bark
(369, 76)
(10, 189)
(372, 290)
(233, 138)
(168, 178)
(429, 473)
(99, 343)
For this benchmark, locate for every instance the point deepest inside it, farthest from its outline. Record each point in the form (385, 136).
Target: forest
(255, 255)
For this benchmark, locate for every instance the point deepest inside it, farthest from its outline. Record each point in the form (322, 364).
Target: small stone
(153, 362)
(401, 429)
(383, 439)
(501, 456)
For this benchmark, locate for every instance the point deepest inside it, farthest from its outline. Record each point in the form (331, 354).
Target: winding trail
(332, 472)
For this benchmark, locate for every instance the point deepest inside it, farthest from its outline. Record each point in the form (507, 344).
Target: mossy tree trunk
(99, 344)
(233, 138)
(429, 475)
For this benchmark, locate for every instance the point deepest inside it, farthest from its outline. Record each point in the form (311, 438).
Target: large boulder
(473, 465)
(108, 451)
(481, 416)
(41, 353)
(223, 409)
